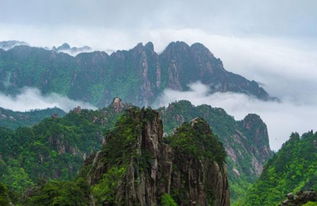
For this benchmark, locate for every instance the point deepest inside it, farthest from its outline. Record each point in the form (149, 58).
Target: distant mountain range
(66, 48)
(13, 120)
(7, 45)
(138, 75)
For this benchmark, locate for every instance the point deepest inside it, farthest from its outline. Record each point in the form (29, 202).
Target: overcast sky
(270, 17)
(271, 41)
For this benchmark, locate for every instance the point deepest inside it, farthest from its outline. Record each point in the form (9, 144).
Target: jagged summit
(149, 169)
(138, 75)
(7, 45)
(64, 47)
(117, 104)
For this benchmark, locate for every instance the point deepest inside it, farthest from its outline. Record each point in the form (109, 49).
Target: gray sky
(246, 17)
(271, 41)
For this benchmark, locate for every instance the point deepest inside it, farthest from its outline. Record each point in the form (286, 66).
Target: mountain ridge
(76, 135)
(138, 75)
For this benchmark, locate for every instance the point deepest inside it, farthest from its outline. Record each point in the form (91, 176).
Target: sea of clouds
(281, 117)
(32, 98)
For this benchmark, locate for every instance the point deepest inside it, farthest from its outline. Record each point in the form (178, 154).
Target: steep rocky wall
(153, 168)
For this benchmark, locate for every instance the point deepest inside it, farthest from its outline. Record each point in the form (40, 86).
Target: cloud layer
(282, 118)
(31, 98)
(270, 17)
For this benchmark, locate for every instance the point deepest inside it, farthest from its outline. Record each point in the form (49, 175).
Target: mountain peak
(117, 104)
(136, 151)
(149, 46)
(177, 45)
(7, 45)
(64, 46)
(199, 47)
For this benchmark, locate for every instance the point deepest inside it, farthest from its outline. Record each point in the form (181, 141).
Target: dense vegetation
(197, 141)
(194, 141)
(57, 146)
(245, 141)
(109, 171)
(61, 193)
(54, 148)
(4, 196)
(292, 168)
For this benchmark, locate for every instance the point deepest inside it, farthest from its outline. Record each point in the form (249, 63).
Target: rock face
(148, 168)
(117, 105)
(246, 142)
(300, 198)
(138, 75)
(257, 140)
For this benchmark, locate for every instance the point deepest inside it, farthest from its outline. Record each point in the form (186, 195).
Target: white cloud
(282, 118)
(31, 98)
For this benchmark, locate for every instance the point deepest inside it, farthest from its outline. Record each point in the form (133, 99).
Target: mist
(32, 98)
(282, 118)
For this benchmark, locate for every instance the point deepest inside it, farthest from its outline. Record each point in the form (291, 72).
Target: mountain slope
(138, 75)
(246, 141)
(292, 168)
(65, 142)
(137, 167)
(54, 148)
(11, 119)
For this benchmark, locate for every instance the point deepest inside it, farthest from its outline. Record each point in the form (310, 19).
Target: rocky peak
(175, 47)
(256, 132)
(138, 48)
(64, 46)
(148, 169)
(117, 104)
(198, 47)
(256, 129)
(252, 119)
(149, 46)
(6, 45)
(300, 198)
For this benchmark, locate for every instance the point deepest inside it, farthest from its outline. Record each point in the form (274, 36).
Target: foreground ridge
(145, 169)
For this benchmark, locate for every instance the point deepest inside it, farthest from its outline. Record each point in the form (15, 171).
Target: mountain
(137, 166)
(292, 169)
(61, 144)
(305, 198)
(246, 142)
(54, 148)
(138, 75)
(12, 120)
(66, 48)
(189, 166)
(7, 45)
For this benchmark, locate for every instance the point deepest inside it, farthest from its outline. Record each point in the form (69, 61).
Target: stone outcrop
(152, 167)
(246, 142)
(257, 141)
(300, 198)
